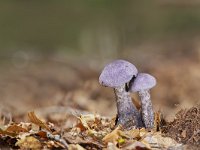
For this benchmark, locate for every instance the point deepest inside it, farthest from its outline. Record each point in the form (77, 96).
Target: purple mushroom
(116, 75)
(142, 84)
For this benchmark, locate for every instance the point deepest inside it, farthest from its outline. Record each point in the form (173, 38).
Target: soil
(186, 127)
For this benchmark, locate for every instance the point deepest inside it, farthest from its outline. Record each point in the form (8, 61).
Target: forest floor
(48, 105)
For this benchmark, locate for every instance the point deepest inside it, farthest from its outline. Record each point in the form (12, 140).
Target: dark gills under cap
(117, 73)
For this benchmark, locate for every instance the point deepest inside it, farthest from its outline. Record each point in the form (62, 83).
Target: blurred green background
(96, 29)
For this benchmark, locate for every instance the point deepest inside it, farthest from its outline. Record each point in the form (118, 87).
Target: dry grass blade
(34, 119)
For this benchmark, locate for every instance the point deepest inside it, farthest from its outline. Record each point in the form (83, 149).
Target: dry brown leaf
(88, 117)
(29, 142)
(157, 140)
(42, 134)
(134, 133)
(34, 119)
(80, 126)
(15, 129)
(136, 145)
(75, 147)
(113, 136)
(143, 132)
(79, 140)
(3, 132)
(84, 122)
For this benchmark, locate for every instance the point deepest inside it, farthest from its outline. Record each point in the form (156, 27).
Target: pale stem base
(147, 109)
(128, 115)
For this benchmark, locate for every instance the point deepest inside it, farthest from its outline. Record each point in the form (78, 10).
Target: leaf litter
(91, 131)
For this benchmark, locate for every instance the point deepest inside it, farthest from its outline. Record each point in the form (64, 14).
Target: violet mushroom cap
(144, 81)
(142, 84)
(116, 75)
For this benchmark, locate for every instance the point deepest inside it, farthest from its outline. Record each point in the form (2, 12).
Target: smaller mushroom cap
(117, 73)
(143, 81)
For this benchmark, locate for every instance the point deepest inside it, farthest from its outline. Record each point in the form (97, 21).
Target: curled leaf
(34, 119)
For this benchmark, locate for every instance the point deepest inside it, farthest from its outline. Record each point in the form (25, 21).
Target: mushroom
(116, 75)
(142, 84)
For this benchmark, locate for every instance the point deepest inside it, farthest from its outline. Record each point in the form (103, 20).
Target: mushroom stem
(128, 115)
(147, 109)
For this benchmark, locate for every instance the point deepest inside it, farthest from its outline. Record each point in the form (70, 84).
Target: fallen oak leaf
(34, 119)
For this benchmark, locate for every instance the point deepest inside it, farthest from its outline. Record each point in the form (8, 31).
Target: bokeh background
(52, 52)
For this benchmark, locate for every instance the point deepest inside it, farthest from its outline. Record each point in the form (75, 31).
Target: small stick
(57, 138)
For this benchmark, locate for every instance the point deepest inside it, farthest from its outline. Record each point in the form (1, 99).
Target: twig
(57, 138)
